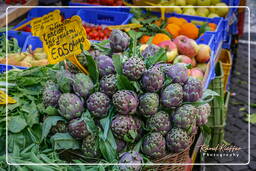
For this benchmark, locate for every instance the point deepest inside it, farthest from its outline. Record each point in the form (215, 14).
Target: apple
(177, 10)
(214, 2)
(203, 2)
(203, 12)
(213, 15)
(180, 2)
(222, 9)
(196, 73)
(182, 59)
(171, 48)
(191, 2)
(202, 67)
(204, 53)
(186, 46)
(189, 11)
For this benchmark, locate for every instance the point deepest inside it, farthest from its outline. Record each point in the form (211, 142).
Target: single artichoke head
(125, 102)
(160, 122)
(105, 65)
(60, 127)
(152, 80)
(119, 41)
(70, 106)
(204, 112)
(90, 147)
(172, 95)
(108, 84)
(64, 80)
(177, 72)
(78, 128)
(148, 104)
(177, 140)
(82, 85)
(150, 51)
(154, 145)
(51, 94)
(133, 68)
(193, 90)
(98, 104)
(130, 157)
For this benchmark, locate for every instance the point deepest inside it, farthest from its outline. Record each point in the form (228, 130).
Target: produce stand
(158, 88)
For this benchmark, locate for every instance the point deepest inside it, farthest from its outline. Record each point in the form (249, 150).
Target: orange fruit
(177, 21)
(173, 29)
(160, 37)
(158, 22)
(190, 30)
(144, 39)
(212, 26)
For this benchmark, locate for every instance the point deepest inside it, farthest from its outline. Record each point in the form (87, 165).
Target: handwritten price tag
(62, 40)
(38, 24)
(3, 98)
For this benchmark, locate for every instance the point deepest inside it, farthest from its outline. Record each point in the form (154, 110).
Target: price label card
(3, 98)
(38, 24)
(63, 39)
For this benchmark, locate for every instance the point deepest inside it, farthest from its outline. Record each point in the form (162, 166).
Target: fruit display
(131, 108)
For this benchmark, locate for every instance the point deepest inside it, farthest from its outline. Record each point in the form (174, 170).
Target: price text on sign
(3, 98)
(38, 24)
(63, 39)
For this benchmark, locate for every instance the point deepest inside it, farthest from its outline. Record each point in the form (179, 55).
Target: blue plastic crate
(4, 68)
(19, 35)
(34, 42)
(227, 43)
(104, 17)
(121, 8)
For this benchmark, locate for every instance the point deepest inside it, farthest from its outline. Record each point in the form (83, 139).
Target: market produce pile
(133, 107)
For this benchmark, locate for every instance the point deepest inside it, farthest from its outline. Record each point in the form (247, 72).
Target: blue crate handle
(4, 68)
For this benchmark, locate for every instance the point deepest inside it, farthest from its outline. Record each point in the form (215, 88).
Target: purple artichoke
(90, 147)
(120, 145)
(177, 72)
(150, 51)
(105, 65)
(149, 103)
(193, 90)
(119, 41)
(177, 140)
(133, 68)
(184, 116)
(108, 84)
(130, 157)
(154, 145)
(78, 128)
(204, 112)
(125, 127)
(172, 95)
(125, 102)
(152, 80)
(160, 122)
(70, 106)
(51, 94)
(98, 104)
(60, 127)
(64, 80)
(82, 85)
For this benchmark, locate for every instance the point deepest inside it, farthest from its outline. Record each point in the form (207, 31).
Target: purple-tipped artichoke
(204, 112)
(160, 122)
(193, 90)
(152, 80)
(177, 72)
(108, 85)
(125, 127)
(78, 128)
(119, 41)
(82, 85)
(177, 140)
(125, 102)
(172, 95)
(70, 106)
(154, 145)
(130, 157)
(120, 145)
(184, 116)
(51, 94)
(150, 51)
(64, 80)
(60, 127)
(105, 65)
(95, 53)
(149, 103)
(98, 104)
(90, 147)
(133, 68)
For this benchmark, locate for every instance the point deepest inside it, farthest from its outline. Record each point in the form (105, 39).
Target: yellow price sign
(38, 24)
(3, 97)
(62, 40)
